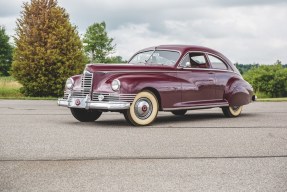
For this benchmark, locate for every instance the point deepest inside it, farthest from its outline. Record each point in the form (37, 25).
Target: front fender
(166, 86)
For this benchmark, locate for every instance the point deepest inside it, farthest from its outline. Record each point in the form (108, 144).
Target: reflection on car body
(173, 78)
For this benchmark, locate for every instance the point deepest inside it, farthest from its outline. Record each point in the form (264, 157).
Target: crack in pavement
(145, 158)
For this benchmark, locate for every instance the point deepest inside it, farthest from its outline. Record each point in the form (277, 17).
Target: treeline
(243, 68)
(268, 80)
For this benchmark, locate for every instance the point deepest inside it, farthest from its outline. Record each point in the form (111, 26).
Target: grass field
(9, 87)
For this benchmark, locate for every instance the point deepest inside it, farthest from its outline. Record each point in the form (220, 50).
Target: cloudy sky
(246, 31)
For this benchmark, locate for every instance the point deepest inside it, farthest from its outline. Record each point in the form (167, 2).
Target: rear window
(217, 63)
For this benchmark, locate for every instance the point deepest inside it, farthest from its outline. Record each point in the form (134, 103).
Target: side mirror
(187, 64)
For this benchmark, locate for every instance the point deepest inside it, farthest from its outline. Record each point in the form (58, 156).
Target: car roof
(183, 48)
(186, 48)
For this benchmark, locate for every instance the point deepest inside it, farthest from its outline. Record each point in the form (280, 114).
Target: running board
(197, 107)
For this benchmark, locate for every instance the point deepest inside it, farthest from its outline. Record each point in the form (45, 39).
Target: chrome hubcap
(143, 108)
(235, 108)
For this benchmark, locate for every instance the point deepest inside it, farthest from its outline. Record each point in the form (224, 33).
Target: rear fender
(238, 92)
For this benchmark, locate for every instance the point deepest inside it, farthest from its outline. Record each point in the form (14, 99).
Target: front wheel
(232, 111)
(84, 115)
(143, 110)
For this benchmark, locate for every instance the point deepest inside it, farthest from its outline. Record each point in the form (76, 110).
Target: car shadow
(164, 120)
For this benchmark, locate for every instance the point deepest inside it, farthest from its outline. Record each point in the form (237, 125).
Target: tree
(268, 80)
(97, 44)
(48, 49)
(243, 68)
(5, 53)
(115, 59)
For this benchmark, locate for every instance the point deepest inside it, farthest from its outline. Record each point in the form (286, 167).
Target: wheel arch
(156, 93)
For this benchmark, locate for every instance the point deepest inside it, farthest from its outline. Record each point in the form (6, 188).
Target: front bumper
(86, 103)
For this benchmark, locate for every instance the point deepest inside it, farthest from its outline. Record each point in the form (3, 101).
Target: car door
(197, 87)
(222, 74)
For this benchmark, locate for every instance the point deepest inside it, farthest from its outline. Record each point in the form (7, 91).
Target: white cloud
(245, 31)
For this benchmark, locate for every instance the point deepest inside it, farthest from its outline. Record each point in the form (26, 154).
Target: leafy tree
(48, 49)
(268, 80)
(243, 68)
(115, 59)
(5, 53)
(97, 44)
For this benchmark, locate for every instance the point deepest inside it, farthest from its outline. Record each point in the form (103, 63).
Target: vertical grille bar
(87, 81)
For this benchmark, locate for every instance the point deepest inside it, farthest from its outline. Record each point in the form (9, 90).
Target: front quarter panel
(165, 84)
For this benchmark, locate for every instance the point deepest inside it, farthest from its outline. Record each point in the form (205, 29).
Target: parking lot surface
(43, 148)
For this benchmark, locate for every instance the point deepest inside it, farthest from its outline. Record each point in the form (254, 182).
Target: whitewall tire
(144, 109)
(232, 111)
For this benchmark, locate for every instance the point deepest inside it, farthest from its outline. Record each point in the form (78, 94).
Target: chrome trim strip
(87, 104)
(197, 107)
(139, 71)
(197, 69)
(108, 105)
(114, 97)
(209, 69)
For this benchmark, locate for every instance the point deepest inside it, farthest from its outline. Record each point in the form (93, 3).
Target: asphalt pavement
(43, 148)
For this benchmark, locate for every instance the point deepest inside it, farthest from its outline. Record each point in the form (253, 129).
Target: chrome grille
(86, 86)
(78, 94)
(111, 97)
(86, 83)
(66, 94)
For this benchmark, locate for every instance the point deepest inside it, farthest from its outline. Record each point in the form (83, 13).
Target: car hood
(125, 67)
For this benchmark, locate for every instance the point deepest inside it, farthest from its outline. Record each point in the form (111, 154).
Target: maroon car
(173, 78)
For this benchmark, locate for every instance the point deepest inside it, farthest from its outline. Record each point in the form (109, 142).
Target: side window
(197, 60)
(217, 63)
(185, 62)
(194, 60)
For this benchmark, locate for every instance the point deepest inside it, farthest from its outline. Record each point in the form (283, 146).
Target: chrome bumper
(86, 103)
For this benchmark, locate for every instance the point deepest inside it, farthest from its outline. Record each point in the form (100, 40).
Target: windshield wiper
(151, 55)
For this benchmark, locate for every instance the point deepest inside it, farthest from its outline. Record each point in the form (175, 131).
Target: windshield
(156, 57)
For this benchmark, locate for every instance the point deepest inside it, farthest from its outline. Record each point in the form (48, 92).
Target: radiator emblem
(78, 102)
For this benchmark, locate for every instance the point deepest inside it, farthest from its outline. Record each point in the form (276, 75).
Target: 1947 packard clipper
(173, 78)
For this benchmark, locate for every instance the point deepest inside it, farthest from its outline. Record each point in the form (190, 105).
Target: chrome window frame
(171, 50)
(230, 69)
(222, 60)
(204, 54)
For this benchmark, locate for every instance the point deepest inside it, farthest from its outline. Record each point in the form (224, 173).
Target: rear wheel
(143, 110)
(179, 112)
(84, 115)
(232, 111)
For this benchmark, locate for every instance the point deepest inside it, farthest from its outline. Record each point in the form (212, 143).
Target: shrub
(48, 49)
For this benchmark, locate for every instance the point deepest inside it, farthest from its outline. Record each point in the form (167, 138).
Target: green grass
(10, 89)
(283, 99)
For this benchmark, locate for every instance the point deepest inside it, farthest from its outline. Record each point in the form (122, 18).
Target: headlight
(116, 84)
(70, 83)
